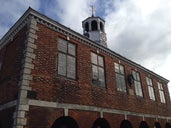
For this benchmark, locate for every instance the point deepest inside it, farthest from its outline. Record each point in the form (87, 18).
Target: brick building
(54, 77)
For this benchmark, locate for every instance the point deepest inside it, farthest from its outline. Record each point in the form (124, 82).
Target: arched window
(65, 122)
(143, 124)
(94, 25)
(87, 26)
(101, 123)
(157, 125)
(101, 27)
(125, 124)
(167, 125)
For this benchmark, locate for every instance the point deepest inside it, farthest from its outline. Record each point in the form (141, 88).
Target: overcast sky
(137, 29)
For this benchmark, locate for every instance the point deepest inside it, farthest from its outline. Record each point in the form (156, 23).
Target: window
(87, 26)
(101, 27)
(94, 25)
(120, 77)
(137, 83)
(66, 59)
(150, 88)
(98, 77)
(161, 93)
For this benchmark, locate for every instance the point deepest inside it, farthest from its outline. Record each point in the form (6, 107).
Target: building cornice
(56, 26)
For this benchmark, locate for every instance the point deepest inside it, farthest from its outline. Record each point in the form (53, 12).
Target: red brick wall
(51, 87)
(12, 54)
(114, 119)
(42, 117)
(85, 119)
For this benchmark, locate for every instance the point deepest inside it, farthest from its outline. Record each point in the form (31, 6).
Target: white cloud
(140, 31)
(137, 29)
(71, 13)
(11, 11)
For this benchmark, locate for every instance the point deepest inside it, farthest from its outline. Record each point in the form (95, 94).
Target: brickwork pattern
(54, 88)
(10, 72)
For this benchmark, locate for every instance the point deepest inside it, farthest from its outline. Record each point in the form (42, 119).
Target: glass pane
(160, 86)
(71, 49)
(101, 77)
(101, 74)
(147, 81)
(150, 82)
(136, 87)
(134, 75)
(149, 91)
(94, 72)
(121, 69)
(71, 67)
(123, 85)
(118, 84)
(162, 97)
(94, 58)
(116, 67)
(139, 89)
(62, 45)
(138, 76)
(100, 60)
(152, 93)
(62, 64)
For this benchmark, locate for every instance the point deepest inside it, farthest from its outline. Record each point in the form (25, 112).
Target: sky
(139, 30)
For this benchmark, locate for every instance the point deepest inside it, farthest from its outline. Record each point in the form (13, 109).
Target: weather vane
(93, 10)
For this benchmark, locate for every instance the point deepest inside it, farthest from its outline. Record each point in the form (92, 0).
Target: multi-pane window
(98, 77)
(120, 77)
(137, 83)
(161, 93)
(66, 59)
(150, 88)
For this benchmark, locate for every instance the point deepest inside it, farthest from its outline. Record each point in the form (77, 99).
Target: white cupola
(93, 28)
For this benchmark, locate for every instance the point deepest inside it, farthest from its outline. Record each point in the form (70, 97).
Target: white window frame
(98, 69)
(66, 59)
(137, 83)
(161, 92)
(150, 88)
(120, 77)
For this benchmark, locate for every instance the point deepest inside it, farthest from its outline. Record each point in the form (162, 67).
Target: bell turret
(93, 28)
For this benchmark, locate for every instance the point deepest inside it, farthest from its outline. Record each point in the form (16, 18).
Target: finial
(93, 10)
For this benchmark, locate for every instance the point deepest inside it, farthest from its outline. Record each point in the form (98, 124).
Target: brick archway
(143, 124)
(65, 122)
(126, 124)
(101, 123)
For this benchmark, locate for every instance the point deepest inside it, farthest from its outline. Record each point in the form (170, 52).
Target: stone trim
(8, 105)
(101, 110)
(25, 76)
